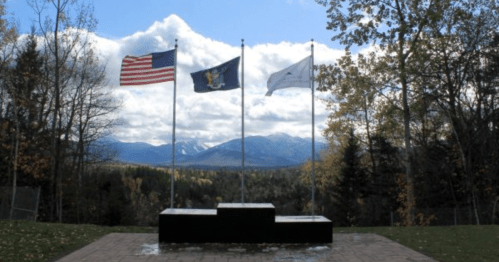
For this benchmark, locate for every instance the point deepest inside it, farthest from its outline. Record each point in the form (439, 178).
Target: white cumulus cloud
(213, 117)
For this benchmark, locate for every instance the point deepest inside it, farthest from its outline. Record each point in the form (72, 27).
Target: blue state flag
(222, 77)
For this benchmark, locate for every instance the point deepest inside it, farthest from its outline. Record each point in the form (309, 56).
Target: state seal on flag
(220, 78)
(214, 78)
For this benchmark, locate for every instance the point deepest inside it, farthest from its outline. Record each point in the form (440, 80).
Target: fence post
(13, 201)
(455, 217)
(391, 218)
(37, 202)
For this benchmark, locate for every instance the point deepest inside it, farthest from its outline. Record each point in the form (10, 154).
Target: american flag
(149, 69)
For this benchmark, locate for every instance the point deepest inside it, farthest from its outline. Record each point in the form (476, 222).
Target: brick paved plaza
(130, 247)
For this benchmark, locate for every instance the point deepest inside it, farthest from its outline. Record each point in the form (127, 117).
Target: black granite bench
(241, 223)
(188, 225)
(245, 223)
(303, 229)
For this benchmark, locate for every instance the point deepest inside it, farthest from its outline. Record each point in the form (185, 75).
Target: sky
(276, 34)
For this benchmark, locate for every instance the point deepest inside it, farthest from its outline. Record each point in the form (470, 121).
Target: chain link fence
(451, 216)
(25, 203)
(463, 215)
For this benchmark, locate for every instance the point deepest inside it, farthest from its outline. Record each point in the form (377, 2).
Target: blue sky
(257, 21)
(277, 34)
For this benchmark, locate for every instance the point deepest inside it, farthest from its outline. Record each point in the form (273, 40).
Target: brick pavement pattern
(130, 247)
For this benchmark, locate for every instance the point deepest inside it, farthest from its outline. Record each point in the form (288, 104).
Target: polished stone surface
(184, 211)
(298, 219)
(245, 205)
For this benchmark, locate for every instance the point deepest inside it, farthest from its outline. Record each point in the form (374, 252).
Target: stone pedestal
(245, 223)
(188, 225)
(241, 223)
(303, 229)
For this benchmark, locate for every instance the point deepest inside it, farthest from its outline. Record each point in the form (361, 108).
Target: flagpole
(242, 121)
(313, 131)
(172, 175)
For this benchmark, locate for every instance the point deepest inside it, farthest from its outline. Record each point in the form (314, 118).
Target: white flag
(297, 75)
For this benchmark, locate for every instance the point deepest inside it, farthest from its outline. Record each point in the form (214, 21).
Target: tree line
(427, 83)
(125, 195)
(54, 103)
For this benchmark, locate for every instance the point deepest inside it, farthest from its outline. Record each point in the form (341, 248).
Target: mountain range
(278, 150)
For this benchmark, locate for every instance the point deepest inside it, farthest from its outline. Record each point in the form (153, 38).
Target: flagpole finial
(242, 42)
(175, 43)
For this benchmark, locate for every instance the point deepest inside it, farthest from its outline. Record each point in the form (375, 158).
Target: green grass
(30, 241)
(443, 243)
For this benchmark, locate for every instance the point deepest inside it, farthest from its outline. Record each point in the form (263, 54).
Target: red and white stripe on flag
(140, 71)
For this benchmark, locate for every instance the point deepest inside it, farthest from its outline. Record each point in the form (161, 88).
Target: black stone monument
(241, 223)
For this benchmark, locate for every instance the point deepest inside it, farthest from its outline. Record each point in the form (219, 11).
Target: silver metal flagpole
(172, 176)
(313, 131)
(242, 121)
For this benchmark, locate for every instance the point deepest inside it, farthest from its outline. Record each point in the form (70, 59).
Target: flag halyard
(148, 69)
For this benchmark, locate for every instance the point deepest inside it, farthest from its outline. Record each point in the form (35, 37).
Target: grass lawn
(30, 241)
(443, 243)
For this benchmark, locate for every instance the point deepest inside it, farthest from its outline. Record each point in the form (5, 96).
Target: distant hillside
(276, 150)
(143, 153)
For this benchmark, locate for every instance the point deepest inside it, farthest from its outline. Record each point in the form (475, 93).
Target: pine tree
(21, 85)
(383, 187)
(350, 186)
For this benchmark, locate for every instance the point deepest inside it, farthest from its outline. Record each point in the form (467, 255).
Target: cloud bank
(213, 117)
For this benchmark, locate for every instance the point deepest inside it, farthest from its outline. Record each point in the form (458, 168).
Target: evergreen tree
(383, 188)
(350, 186)
(20, 84)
